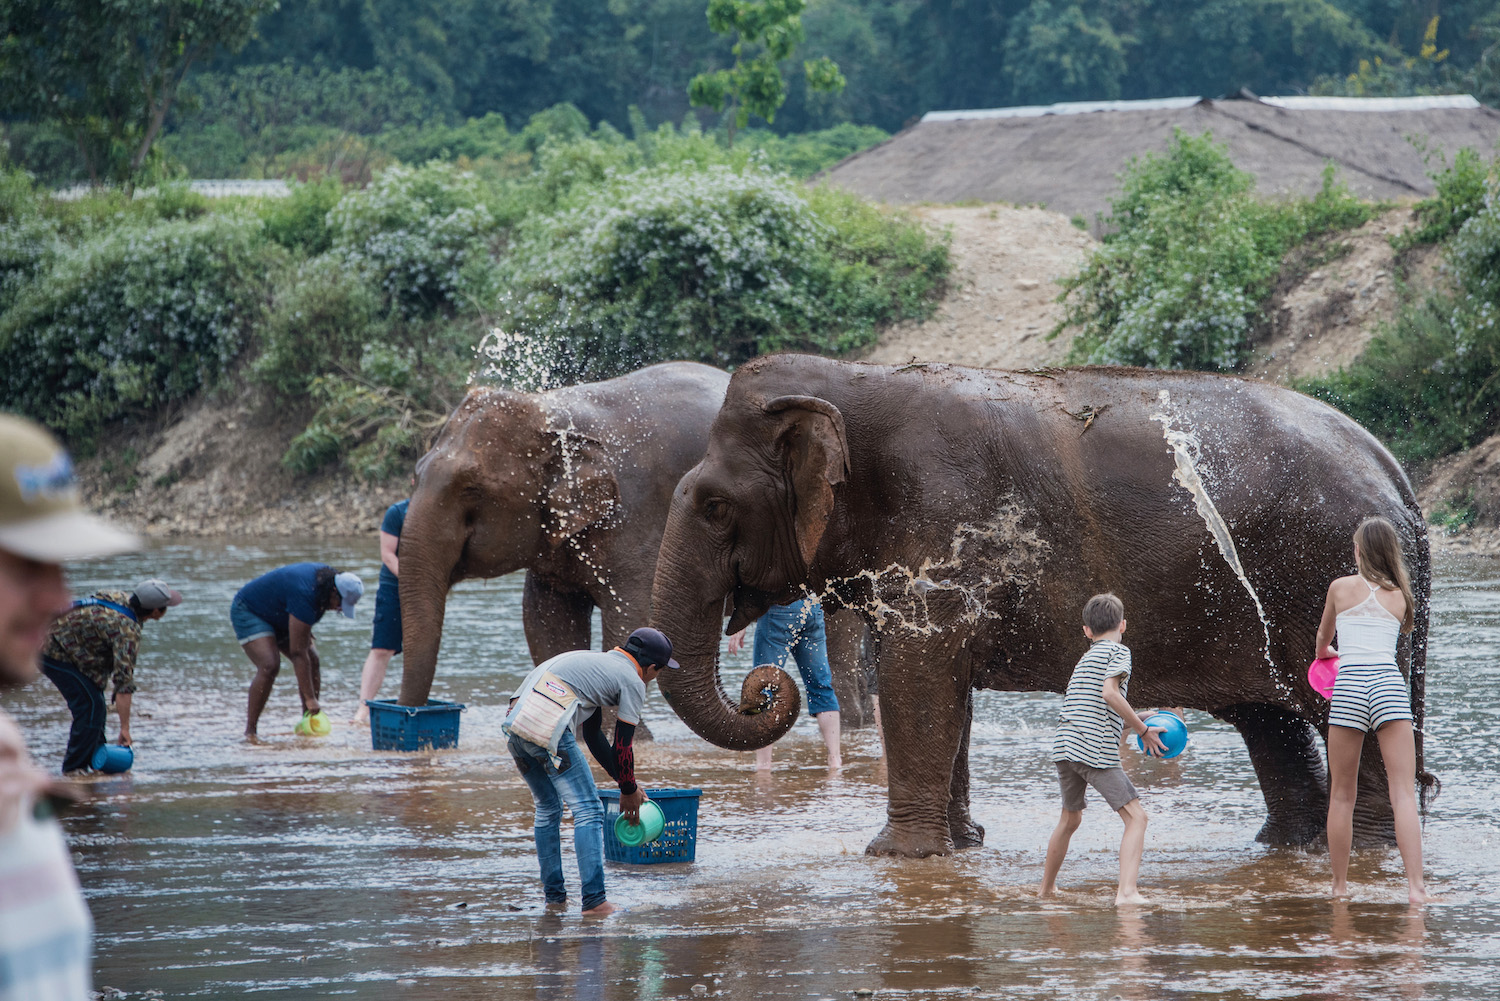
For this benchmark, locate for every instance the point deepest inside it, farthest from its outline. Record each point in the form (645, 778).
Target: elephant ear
(583, 489)
(815, 455)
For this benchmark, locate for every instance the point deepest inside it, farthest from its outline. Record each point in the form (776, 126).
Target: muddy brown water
(311, 868)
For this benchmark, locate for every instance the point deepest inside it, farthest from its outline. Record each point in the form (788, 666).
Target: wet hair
(135, 606)
(323, 586)
(1103, 612)
(1380, 562)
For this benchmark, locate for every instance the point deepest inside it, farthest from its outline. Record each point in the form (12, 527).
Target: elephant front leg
(961, 826)
(555, 621)
(1289, 765)
(924, 710)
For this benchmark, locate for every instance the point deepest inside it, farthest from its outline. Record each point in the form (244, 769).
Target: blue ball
(1175, 737)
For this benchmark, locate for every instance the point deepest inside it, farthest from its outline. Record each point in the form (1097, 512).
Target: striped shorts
(1367, 698)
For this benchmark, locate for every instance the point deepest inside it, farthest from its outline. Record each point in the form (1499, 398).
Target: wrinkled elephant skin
(971, 513)
(572, 485)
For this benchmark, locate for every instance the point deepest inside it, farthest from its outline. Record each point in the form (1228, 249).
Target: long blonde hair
(1380, 561)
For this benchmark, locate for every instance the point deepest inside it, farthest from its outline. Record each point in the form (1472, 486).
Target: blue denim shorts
(247, 625)
(386, 632)
(796, 631)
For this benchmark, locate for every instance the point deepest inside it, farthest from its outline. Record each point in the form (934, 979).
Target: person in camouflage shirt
(94, 645)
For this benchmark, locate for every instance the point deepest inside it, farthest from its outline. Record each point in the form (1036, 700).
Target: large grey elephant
(971, 513)
(571, 485)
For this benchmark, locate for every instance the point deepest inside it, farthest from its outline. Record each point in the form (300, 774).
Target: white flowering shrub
(1192, 256)
(422, 235)
(714, 264)
(131, 319)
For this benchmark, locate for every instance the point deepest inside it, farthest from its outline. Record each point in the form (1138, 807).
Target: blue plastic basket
(679, 838)
(413, 728)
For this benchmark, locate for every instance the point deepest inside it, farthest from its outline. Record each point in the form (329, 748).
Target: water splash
(1185, 448)
(1002, 555)
(516, 361)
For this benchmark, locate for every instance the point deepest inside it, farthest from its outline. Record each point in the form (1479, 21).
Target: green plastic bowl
(653, 822)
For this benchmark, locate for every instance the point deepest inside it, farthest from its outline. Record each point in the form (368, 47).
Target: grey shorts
(1111, 783)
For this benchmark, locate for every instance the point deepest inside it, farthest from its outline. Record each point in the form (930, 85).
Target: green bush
(1459, 193)
(376, 430)
(422, 236)
(319, 322)
(716, 265)
(1191, 256)
(299, 221)
(131, 319)
(1427, 384)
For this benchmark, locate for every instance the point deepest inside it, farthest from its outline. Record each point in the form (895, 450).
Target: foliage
(134, 318)
(108, 73)
(716, 265)
(1192, 254)
(1429, 383)
(1424, 73)
(299, 221)
(421, 235)
(1458, 194)
(753, 86)
(1055, 51)
(374, 428)
(253, 115)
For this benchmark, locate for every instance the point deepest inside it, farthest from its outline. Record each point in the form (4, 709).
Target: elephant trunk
(769, 702)
(432, 545)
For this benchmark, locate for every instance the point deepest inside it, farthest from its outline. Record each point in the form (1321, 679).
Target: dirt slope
(1000, 304)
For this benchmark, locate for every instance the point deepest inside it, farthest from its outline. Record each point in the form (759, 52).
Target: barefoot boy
(1087, 748)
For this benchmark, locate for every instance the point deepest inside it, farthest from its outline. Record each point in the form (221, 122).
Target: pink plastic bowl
(1321, 674)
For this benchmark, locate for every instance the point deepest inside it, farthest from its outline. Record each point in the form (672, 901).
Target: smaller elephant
(571, 485)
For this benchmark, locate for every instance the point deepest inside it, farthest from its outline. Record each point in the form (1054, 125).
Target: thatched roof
(1067, 157)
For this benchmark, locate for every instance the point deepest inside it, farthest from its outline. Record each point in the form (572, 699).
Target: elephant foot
(1299, 832)
(965, 833)
(906, 844)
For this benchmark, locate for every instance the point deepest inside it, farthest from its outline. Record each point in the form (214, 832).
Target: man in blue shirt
(385, 635)
(273, 616)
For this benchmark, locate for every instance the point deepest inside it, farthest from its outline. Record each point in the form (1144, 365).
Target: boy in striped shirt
(1087, 746)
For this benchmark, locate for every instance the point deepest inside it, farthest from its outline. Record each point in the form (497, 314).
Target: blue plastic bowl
(111, 759)
(1175, 736)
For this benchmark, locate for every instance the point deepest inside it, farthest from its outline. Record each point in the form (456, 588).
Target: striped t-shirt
(1088, 730)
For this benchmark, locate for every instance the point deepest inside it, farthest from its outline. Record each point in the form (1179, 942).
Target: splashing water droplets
(1186, 448)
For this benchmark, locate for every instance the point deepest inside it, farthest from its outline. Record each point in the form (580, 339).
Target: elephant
(970, 513)
(572, 485)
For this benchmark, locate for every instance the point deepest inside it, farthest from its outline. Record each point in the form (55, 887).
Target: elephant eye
(715, 509)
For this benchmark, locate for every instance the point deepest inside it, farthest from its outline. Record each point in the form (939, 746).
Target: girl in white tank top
(1370, 695)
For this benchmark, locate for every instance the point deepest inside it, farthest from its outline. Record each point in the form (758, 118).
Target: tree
(107, 71)
(754, 85)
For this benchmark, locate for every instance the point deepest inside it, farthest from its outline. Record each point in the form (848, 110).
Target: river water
(309, 868)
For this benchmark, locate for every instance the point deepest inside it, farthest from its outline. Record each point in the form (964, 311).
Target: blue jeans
(86, 702)
(797, 631)
(550, 786)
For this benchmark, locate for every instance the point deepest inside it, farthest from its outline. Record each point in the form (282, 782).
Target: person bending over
(1087, 746)
(563, 695)
(96, 642)
(273, 617)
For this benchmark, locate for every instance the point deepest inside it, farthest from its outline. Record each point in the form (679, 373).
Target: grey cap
(351, 589)
(153, 594)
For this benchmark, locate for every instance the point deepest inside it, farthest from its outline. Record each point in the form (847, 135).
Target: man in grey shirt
(559, 701)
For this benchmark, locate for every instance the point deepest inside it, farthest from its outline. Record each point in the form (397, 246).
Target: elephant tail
(1429, 785)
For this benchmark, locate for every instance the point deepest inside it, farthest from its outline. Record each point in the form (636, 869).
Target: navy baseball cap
(651, 646)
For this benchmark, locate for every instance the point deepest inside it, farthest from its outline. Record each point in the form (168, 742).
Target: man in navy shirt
(385, 635)
(273, 615)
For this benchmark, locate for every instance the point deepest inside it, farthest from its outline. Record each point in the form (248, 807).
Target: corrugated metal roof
(1462, 102)
(1064, 108)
